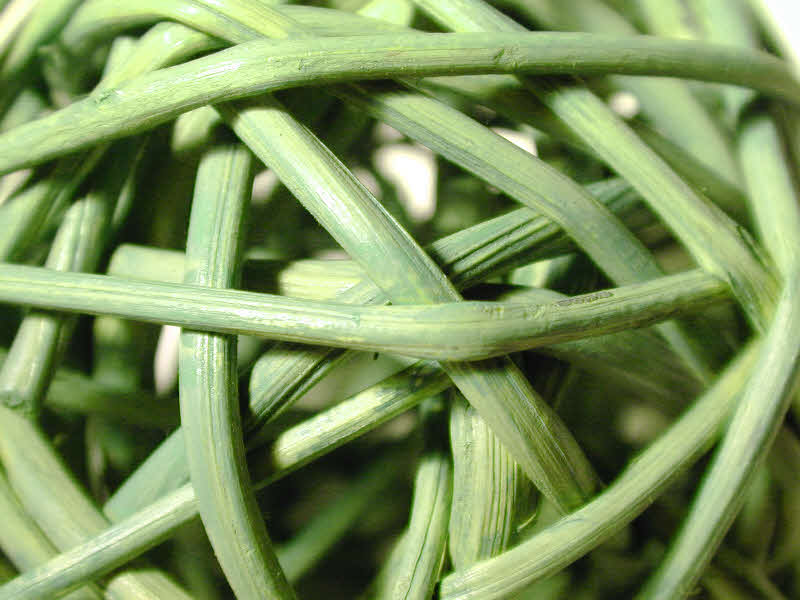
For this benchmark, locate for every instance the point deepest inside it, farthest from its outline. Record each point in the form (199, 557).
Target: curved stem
(238, 72)
(208, 385)
(505, 326)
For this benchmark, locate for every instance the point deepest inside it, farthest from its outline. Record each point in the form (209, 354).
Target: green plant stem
(767, 397)
(111, 548)
(477, 149)
(769, 181)
(506, 95)
(618, 253)
(45, 22)
(534, 435)
(25, 544)
(299, 445)
(467, 257)
(65, 515)
(629, 495)
(149, 100)
(25, 214)
(74, 392)
(754, 424)
(98, 19)
(12, 19)
(669, 105)
(281, 376)
(349, 199)
(208, 385)
(85, 229)
(506, 327)
(412, 569)
(487, 490)
(715, 242)
(78, 246)
(334, 427)
(25, 217)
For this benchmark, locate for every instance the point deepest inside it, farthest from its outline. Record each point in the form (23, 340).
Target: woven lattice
(518, 264)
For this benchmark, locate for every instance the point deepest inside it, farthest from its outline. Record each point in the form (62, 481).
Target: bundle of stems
(529, 275)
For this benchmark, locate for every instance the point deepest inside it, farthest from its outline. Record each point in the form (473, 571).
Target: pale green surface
(329, 308)
(208, 384)
(758, 418)
(149, 100)
(65, 515)
(292, 449)
(669, 105)
(621, 502)
(24, 543)
(412, 569)
(616, 252)
(506, 326)
(489, 492)
(282, 374)
(252, 125)
(690, 216)
(753, 426)
(77, 247)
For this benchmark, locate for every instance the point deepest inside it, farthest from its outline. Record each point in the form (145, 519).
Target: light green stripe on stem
(208, 385)
(149, 100)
